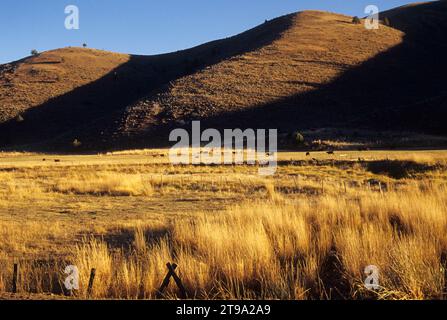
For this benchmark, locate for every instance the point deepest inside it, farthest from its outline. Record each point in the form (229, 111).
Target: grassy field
(306, 233)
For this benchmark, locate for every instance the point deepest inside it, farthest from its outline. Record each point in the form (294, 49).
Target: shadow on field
(398, 169)
(125, 238)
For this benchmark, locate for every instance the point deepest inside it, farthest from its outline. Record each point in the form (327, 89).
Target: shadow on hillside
(402, 89)
(96, 109)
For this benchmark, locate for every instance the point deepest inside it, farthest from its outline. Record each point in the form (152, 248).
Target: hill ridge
(311, 69)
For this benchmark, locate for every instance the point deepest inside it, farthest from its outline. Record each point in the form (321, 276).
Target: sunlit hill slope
(301, 71)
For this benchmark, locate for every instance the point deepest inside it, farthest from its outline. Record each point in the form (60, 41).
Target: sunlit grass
(306, 233)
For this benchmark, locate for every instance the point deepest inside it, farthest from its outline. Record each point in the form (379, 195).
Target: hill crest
(306, 70)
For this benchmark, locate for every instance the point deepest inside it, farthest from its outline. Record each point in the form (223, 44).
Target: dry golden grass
(105, 183)
(306, 233)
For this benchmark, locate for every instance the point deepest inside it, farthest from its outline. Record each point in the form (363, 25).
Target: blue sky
(145, 26)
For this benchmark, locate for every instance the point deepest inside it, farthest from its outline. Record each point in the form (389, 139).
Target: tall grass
(278, 248)
(307, 233)
(105, 183)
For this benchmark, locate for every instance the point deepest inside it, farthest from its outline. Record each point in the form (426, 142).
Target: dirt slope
(307, 70)
(47, 100)
(35, 80)
(316, 49)
(323, 71)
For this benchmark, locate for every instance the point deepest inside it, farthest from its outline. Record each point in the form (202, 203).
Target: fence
(171, 273)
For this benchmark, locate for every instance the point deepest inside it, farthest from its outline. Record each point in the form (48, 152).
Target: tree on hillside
(34, 52)
(298, 138)
(356, 20)
(19, 118)
(76, 143)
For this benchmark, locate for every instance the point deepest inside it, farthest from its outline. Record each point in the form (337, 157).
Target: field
(306, 233)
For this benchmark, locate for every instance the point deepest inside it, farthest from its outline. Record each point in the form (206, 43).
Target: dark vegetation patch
(332, 274)
(398, 169)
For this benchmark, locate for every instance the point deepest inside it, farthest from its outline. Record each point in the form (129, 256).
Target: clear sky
(146, 26)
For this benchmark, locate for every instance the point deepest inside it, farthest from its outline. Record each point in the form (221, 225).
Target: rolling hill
(301, 71)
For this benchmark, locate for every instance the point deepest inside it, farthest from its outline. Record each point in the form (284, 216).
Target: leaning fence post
(90, 282)
(165, 283)
(15, 277)
(177, 280)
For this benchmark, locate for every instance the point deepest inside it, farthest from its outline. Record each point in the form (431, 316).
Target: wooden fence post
(15, 277)
(90, 282)
(178, 281)
(165, 282)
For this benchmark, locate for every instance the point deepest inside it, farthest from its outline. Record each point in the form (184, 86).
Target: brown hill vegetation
(316, 49)
(33, 81)
(301, 71)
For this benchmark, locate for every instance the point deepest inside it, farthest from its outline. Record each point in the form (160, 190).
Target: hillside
(301, 71)
(47, 100)
(316, 49)
(33, 81)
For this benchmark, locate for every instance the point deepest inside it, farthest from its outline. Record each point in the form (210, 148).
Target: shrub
(34, 52)
(77, 143)
(356, 20)
(84, 45)
(19, 118)
(33, 72)
(298, 138)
